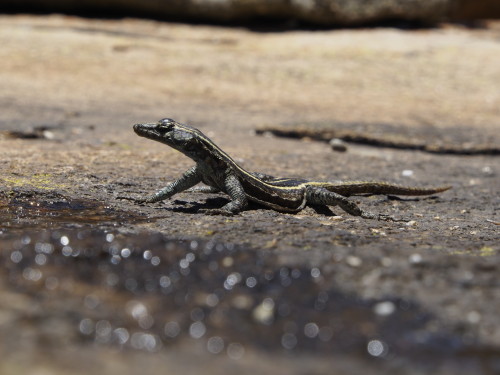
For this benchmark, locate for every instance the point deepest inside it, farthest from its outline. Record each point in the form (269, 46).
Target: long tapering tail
(348, 188)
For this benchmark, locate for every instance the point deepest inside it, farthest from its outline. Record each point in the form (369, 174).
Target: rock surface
(71, 90)
(319, 12)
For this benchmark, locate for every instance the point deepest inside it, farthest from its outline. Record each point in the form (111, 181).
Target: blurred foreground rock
(320, 12)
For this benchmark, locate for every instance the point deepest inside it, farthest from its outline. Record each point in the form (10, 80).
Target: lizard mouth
(146, 130)
(153, 132)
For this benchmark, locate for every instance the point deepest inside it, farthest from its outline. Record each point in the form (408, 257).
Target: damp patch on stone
(44, 209)
(147, 292)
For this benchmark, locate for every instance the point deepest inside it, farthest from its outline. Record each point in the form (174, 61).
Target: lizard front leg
(238, 202)
(190, 178)
(322, 196)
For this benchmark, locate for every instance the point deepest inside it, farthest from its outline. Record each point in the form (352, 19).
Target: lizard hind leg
(238, 198)
(322, 196)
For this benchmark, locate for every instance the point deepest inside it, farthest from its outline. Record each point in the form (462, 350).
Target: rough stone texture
(83, 83)
(320, 12)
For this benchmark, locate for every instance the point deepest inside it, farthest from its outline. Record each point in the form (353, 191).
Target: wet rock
(22, 208)
(144, 292)
(338, 145)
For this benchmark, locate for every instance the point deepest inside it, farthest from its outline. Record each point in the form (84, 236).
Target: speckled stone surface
(73, 87)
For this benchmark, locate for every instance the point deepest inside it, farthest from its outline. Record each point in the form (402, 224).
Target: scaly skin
(220, 172)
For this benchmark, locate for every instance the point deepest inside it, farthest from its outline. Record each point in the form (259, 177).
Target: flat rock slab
(72, 88)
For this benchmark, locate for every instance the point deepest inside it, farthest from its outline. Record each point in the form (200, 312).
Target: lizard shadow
(191, 207)
(323, 210)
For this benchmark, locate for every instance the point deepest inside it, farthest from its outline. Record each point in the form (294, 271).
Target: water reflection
(145, 292)
(21, 210)
(215, 345)
(377, 348)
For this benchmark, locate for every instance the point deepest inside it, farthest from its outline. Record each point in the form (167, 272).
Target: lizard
(216, 169)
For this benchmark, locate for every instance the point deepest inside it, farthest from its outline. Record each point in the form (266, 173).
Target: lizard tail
(347, 188)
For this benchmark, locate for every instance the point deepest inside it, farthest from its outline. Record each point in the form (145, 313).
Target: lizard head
(181, 137)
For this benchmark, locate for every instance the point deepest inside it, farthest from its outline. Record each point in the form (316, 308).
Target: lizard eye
(165, 124)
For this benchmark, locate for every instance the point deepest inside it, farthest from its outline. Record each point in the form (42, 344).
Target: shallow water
(146, 292)
(28, 209)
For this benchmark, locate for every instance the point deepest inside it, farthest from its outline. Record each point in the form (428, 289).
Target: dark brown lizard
(220, 172)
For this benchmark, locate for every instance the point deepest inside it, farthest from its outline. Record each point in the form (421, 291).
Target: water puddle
(145, 292)
(21, 210)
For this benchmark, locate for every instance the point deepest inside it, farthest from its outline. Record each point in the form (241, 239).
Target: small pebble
(415, 258)
(338, 145)
(353, 261)
(47, 134)
(407, 173)
(488, 171)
